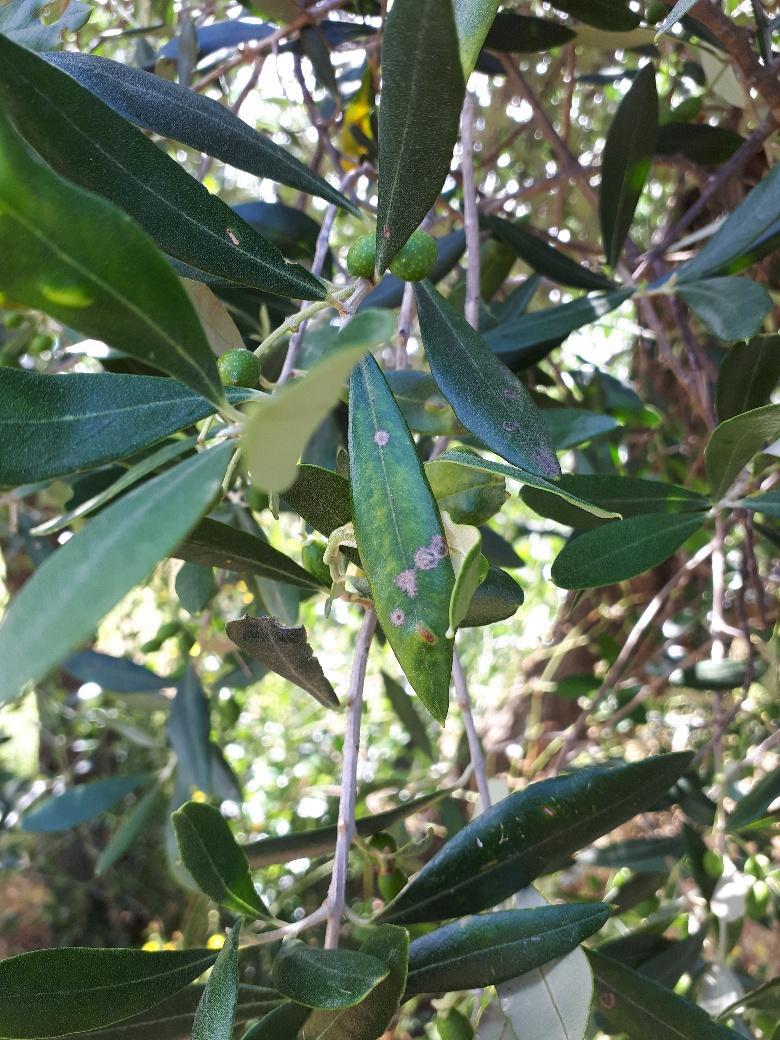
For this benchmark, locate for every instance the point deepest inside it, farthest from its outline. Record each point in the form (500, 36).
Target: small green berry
(453, 1025)
(238, 368)
(712, 863)
(361, 258)
(416, 258)
(390, 883)
(312, 559)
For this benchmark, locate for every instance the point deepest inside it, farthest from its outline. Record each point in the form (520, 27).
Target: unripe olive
(238, 367)
(256, 499)
(416, 257)
(391, 883)
(312, 559)
(361, 258)
(453, 1025)
(757, 900)
(712, 863)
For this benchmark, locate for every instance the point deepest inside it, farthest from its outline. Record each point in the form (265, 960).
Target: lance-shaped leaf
(496, 598)
(529, 833)
(487, 398)
(473, 19)
(400, 537)
(127, 832)
(558, 488)
(645, 1010)
(215, 860)
(21, 21)
(490, 948)
(373, 1015)
(53, 244)
(278, 430)
(285, 651)
(80, 582)
(699, 142)
(219, 36)
(716, 675)
(172, 111)
(87, 142)
(116, 674)
(54, 425)
(283, 1023)
(419, 115)
(747, 376)
(467, 495)
(755, 804)
(744, 227)
(544, 258)
(217, 1007)
(732, 308)
(329, 979)
(215, 544)
(622, 549)
(568, 427)
(733, 444)
(625, 164)
(319, 841)
(32, 987)
(320, 497)
(78, 804)
(188, 728)
(610, 15)
(525, 34)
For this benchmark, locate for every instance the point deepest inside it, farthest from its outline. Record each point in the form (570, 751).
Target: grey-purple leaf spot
(511, 427)
(397, 617)
(407, 582)
(381, 437)
(425, 559)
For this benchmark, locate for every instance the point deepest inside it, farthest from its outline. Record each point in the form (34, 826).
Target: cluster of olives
(412, 262)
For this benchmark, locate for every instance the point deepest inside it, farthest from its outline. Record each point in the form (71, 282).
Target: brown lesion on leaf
(233, 236)
(607, 999)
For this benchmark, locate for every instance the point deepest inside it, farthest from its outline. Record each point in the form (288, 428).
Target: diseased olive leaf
(215, 860)
(80, 582)
(747, 376)
(172, 111)
(544, 258)
(320, 841)
(54, 425)
(329, 979)
(85, 140)
(531, 832)
(635, 1004)
(732, 308)
(217, 1006)
(487, 949)
(734, 443)
(622, 549)
(215, 544)
(283, 1023)
(372, 1016)
(625, 164)
(52, 259)
(79, 803)
(32, 987)
(487, 398)
(473, 19)
(419, 114)
(285, 651)
(278, 430)
(400, 537)
(20, 20)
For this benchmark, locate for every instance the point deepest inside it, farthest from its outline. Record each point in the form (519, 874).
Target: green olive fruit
(416, 258)
(361, 258)
(238, 367)
(757, 900)
(453, 1025)
(391, 883)
(312, 559)
(256, 499)
(712, 863)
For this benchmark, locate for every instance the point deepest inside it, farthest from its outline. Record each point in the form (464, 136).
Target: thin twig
(405, 316)
(346, 823)
(470, 213)
(475, 748)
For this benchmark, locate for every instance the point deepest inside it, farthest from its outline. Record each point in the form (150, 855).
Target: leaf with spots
(400, 537)
(488, 399)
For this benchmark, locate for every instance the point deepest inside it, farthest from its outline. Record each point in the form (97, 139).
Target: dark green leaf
(748, 376)
(285, 651)
(371, 1017)
(622, 549)
(218, 36)
(116, 674)
(32, 987)
(568, 427)
(321, 840)
(699, 142)
(490, 402)
(611, 15)
(329, 979)
(732, 308)
(490, 948)
(400, 537)
(497, 550)
(80, 582)
(321, 497)
(625, 164)
(768, 504)
(755, 804)
(215, 544)
(195, 587)
(283, 1023)
(744, 226)
(290, 229)
(544, 258)
(54, 425)
(644, 855)
(419, 115)
(217, 1007)
(524, 34)
(126, 295)
(171, 110)
(86, 141)
(422, 405)
(188, 732)
(716, 675)
(215, 860)
(407, 714)
(529, 833)
(470, 496)
(21, 21)
(496, 599)
(79, 803)
(735, 442)
(645, 1010)
(127, 832)
(473, 19)
(627, 496)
